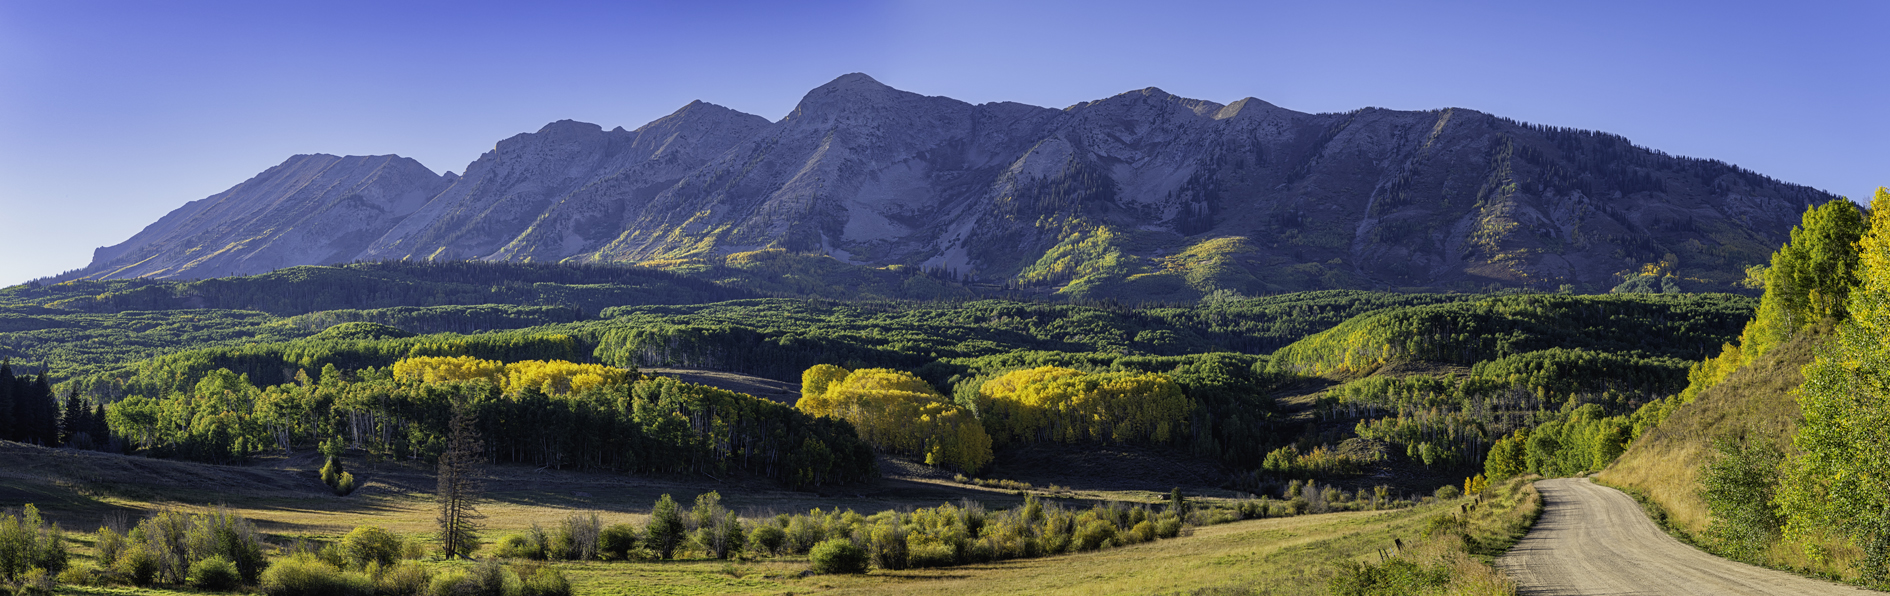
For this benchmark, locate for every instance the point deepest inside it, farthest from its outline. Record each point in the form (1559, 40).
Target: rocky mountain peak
(1246, 106)
(851, 93)
(856, 81)
(1262, 199)
(1149, 101)
(703, 112)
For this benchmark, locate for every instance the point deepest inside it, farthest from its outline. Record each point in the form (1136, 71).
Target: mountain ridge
(1141, 194)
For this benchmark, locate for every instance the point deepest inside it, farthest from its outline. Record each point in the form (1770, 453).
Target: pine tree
(35, 412)
(459, 485)
(75, 421)
(666, 530)
(7, 416)
(101, 432)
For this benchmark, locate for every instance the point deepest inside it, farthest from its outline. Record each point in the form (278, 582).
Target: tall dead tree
(459, 485)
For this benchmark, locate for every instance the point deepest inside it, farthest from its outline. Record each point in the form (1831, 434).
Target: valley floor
(1295, 555)
(1286, 556)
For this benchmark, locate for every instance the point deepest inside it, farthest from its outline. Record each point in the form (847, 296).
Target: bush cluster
(32, 551)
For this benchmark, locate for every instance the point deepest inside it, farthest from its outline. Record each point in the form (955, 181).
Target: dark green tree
(76, 420)
(666, 529)
(6, 402)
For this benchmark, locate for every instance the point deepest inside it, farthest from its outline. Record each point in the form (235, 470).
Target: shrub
(28, 542)
(838, 556)
(79, 575)
(930, 554)
(1739, 484)
(769, 538)
(403, 579)
(337, 479)
(545, 581)
(137, 565)
(617, 540)
(803, 534)
(330, 553)
(485, 579)
(176, 541)
(305, 575)
(444, 583)
(1095, 534)
(1143, 531)
(36, 582)
(1168, 527)
(109, 544)
(888, 541)
(576, 538)
(331, 471)
(520, 546)
(1448, 491)
(371, 545)
(216, 574)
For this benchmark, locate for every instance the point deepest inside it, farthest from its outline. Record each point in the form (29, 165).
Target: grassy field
(1294, 555)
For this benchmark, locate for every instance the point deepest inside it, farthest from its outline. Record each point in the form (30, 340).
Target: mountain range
(1143, 195)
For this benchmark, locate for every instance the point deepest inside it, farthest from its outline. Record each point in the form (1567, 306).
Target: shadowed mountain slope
(1144, 195)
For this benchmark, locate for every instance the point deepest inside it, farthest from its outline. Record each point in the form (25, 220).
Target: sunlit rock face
(1144, 194)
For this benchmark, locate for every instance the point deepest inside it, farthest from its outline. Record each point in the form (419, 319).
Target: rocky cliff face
(1142, 195)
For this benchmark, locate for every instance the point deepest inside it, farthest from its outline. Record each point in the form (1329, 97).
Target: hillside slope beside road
(1595, 540)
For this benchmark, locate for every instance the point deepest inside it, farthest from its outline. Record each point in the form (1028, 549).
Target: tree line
(545, 413)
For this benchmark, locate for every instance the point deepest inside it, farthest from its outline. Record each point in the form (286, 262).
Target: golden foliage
(898, 412)
(551, 377)
(1058, 404)
(447, 369)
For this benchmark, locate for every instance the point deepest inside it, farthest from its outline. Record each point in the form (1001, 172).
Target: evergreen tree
(35, 412)
(101, 433)
(6, 402)
(666, 530)
(75, 420)
(459, 485)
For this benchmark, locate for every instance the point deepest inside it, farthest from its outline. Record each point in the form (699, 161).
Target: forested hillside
(1427, 383)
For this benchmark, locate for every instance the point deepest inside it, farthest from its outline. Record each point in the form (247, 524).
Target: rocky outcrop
(1143, 194)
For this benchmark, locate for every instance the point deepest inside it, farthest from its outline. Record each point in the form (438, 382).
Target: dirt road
(1592, 539)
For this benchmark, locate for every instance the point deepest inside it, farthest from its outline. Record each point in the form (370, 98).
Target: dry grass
(1464, 542)
(1757, 401)
(1274, 556)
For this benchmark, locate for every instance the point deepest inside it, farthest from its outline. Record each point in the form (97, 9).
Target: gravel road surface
(1595, 540)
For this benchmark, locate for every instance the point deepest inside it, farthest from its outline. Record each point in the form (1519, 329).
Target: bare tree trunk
(459, 486)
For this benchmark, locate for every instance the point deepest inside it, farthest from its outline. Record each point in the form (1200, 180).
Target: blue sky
(114, 113)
